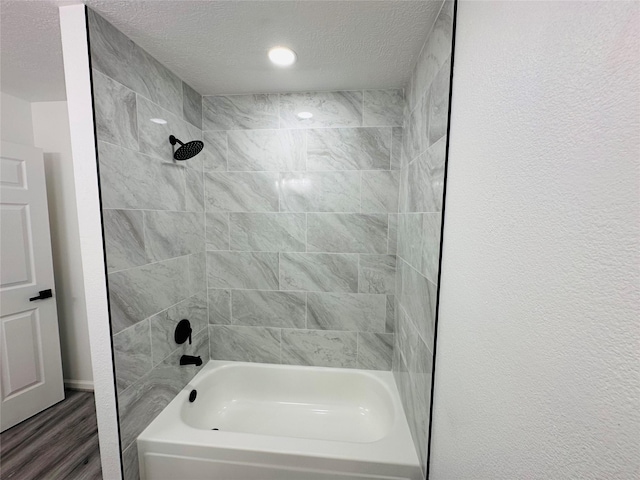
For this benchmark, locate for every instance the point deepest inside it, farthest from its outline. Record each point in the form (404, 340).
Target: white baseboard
(82, 385)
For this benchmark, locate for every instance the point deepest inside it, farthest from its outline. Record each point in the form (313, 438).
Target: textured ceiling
(30, 50)
(220, 46)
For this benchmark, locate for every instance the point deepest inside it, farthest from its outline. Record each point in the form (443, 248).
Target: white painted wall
(538, 356)
(75, 51)
(15, 120)
(51, 134)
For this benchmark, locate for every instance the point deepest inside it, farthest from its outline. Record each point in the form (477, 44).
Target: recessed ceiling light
(305, 115)
(282, 56)
(159, 121)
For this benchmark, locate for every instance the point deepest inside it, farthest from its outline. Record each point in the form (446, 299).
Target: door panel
(22, 343)
(15, 246)
(30, 364)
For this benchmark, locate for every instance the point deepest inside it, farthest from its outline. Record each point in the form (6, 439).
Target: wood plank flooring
(59, 443)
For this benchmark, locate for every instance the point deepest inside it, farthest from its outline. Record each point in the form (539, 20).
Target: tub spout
(190, 360)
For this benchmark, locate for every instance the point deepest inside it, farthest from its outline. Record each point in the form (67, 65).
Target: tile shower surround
(419, 225)
(301, 222)
(153, 217)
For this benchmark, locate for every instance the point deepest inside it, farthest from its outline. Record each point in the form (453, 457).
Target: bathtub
(274, 422)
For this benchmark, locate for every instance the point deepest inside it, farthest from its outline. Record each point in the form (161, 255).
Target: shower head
(186, 150)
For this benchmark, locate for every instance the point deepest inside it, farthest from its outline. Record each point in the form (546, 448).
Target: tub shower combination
(272, 262)
(246, 421)
(252, 421)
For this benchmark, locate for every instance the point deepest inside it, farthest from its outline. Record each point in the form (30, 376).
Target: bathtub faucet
(190, 360)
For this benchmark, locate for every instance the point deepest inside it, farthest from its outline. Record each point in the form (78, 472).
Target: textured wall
(538, 374)
(153, 216)
(419, 224)
(301, 218)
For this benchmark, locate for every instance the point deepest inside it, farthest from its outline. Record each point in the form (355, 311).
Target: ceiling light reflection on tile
(305, 115)
(159, 121)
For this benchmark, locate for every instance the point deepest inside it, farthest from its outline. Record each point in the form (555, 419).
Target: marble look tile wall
(154, 226)
(420, 200)
(301, 222)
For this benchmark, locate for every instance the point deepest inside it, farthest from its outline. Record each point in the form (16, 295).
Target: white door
(30, 363)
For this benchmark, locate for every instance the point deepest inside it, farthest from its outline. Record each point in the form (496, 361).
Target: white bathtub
(281, 423)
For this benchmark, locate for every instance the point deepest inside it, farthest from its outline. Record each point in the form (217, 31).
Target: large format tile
(268, 232)
(410, 241)
(349, 148)
(380, 191)
(268, 309)
(417, 296)
(329, 109)
(431, 227)
(376, 274)
(140, 292)
(237, 112)
(197, 272)
(416, 393)
(245, 344)
(415, 137)
(115, 110)
(123, 238)
(319, 348)
(267, 150)
(321, 272)
(392, 245)
(396, 148)
(426, 180)
(375, 351)
(154, 137)
(130, 463)
(163, 326)
(383, 108)
(241, 192)
(319, 192)
(214, 153)
(253, 270)
(347, 232)
(390, 320)
(172, 234)
(439, 103)
(191, 106)
(219, 307)
(115, 55)
(132, 354)
(346, 311)
(217, 230)
(132, 180)
(194, 190)
(139, 404)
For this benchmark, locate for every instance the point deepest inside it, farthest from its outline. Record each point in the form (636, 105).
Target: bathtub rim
(169, 434)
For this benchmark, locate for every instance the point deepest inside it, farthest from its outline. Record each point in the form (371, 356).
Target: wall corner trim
(75, 49)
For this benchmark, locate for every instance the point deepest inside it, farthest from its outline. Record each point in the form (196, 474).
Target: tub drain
(214, 429)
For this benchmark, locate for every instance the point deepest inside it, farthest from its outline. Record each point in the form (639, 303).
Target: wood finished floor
(59, 443)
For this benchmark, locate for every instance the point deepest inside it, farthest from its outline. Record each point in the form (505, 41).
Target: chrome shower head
(186, 150)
